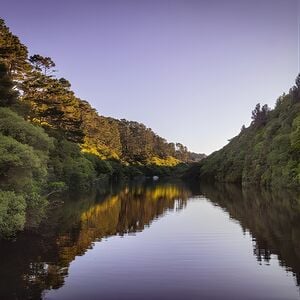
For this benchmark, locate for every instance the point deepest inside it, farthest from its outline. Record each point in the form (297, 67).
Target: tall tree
(13, 53)
(259, 114)
(42, 64)
(53, 105)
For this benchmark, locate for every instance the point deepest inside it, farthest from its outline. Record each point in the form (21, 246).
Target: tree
(295, 90)
(42, 64)
(259, 114)
(13, 53)
(101, 134)
(297, 81)
(16, 127)
(53, 105)
(8, 96)
(181, 152)
(65, 83)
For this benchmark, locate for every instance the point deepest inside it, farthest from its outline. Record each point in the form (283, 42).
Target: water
(160, 241)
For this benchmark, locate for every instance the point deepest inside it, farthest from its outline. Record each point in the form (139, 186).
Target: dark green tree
(42, 64)
(8, 96)
(259, 114)
(13, 53)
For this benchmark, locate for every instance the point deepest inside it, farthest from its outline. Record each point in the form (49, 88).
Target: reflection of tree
(44, 257)
(271, 217)
(129, 211)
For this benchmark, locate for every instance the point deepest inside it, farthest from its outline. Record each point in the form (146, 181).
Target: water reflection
(272, 218)
(39, 260)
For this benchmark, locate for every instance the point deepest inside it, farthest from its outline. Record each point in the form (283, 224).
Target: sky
(192, 70)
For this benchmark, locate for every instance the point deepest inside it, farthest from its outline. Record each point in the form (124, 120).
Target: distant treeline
(266, 153)
(50, 140)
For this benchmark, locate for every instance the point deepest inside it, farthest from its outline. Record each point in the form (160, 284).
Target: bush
(20, 165)
(16, 127)
(67, 164)
(101, 166)
(12, 213)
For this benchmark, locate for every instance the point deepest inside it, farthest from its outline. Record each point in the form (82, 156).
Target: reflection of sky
(185, 68)
(198, 251)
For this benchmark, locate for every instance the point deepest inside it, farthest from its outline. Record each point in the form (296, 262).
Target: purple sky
(190, 70)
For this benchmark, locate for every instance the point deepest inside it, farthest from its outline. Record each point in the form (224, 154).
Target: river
(162, 240)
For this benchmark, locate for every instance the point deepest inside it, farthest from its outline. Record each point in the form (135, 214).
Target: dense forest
(53, 141)
(266, 153)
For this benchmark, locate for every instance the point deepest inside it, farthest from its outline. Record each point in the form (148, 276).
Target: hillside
(266, 153)
(52, 141)
(49, 102)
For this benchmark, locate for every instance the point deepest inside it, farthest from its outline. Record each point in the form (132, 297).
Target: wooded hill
(266, 153)
(51, 140)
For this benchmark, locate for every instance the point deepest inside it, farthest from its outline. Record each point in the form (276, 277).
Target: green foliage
(23, 170)
(260, 114)
(57, 186)
(8, 96)
(266, 153)
(52, 105)
(13, 125)
(101, 134)
(13, 53)
(42, 64)
(295, 134)
(99, 165)
(69, 165)
(141, 145)
(20, 165)
(12, 213)
(81, 173)
(24, 152)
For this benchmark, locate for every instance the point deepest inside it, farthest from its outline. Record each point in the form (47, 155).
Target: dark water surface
(162, 241)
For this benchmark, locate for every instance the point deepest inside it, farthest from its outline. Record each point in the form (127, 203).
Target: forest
(266, 153)
(52, 141)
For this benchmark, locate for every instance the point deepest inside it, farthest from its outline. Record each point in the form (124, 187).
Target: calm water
(162, 241)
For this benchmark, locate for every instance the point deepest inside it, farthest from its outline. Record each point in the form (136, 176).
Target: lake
(162, 240)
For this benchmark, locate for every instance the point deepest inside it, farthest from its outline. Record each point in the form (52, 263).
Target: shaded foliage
(8, 95)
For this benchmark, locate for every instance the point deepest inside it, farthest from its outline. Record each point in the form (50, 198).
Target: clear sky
(191, 70)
